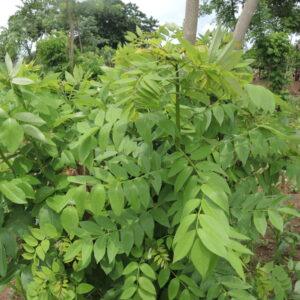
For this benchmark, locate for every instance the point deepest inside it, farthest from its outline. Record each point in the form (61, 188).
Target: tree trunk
(244, 21)
(71, 35)
(191, 20)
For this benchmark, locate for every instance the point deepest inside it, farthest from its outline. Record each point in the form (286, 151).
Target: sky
(166, 11)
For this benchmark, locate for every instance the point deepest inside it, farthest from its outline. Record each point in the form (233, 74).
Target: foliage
(272, 279)
(151, 185)
(91, 62)
(51, 52)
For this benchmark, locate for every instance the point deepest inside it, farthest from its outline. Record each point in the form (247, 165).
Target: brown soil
(9, 294)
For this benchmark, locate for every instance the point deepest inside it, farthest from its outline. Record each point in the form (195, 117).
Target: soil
(9, 294)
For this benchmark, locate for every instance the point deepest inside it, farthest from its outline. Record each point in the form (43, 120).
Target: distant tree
(71, 32)
(33, 19)
(97, 23)
(105, 22)
(270, 15)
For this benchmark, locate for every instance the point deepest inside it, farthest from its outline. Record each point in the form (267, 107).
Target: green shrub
(272, 53)
(153, 184)
(91, 62)
(52, 52)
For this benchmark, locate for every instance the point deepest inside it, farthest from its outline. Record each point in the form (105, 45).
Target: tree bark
(244, 21)
(71, 35)
(191, 20)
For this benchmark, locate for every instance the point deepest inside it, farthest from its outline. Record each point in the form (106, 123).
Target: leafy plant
(149, 185)
(52, 52)
(272, 53)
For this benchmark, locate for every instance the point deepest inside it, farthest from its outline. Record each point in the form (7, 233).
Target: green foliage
(98, 23)
(272, 53)
(273, 279)
(51, 52)
(90, 62)
(152, 184)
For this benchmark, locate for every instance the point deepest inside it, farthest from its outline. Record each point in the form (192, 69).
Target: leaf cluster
(152, 184)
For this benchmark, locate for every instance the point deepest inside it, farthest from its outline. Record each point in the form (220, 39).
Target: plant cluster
(273, 53)
(153, 184)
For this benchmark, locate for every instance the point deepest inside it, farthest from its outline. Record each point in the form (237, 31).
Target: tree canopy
(97, 23)
(271, 15)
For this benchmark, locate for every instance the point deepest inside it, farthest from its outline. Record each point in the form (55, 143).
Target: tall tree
(270, 15)
(244, 21)
(71, 35)
(191, 20)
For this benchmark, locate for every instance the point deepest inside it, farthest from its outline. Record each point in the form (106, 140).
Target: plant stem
(4, 158)
(177, 106)
(21, 290)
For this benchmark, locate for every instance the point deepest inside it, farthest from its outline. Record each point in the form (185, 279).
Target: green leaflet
(127, 239)
(218, 114)
(116, 198)
(236, 263)
(226, 155)
(22, 81)
(131, 267)
(69, 218)
(181, 178)
(97, 199)
(12, 192)
(84, 288)
(128, 293)
(147, 285)
(173, 288)
(57, 203)
(11, 134)
(148, 271)
(34, 132)
(160, 216)
(276, 219)
(219, 197)
(147, 223)
(184, 245)
(73, 250)
(213, 235)
(103, 137)
(242, 148)
(86, 253)
(185, 224)
(260, 222)
(28, 117)
(163, 277)
(261, 97)
(202, 258)
(202, 152)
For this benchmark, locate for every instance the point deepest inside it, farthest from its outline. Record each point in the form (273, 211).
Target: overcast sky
(166, 11)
